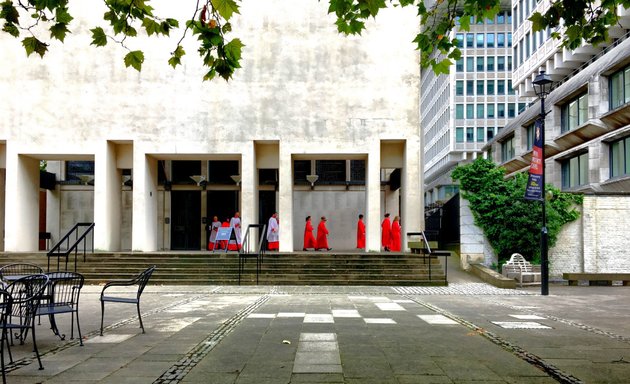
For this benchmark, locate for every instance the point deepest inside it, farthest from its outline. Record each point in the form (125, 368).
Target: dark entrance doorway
(266, 205)
(222, 204)
(185, 220)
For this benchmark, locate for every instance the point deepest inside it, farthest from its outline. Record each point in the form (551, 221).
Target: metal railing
(250, 249)
(71, 242)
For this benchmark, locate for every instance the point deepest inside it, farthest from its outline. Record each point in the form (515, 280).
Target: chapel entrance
(186, 218)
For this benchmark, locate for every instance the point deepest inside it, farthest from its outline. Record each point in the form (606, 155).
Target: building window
(470, 111)
(490, 111)
(470, 40)
(500, 87)
(574, 113)
(490, 63)
(460, 40)
(470, 64)
(480, 64)
(219, 171)
(490, 87)
(507, 149)
(480, 134)
(76, 169)
(575, 171)
(459, 88)
(529, 131)
(330, 171)
(470, 87)
(490, 40)
(510, 89)
(500, 110)
(183, 169)
(509, 37)
(459, 65)
(480, 87)
(620, 157)
(459, 134)
(509, 67)
(470, 134)
(620, 88)
(480, 108)
(301, 168)
(501, 18)
(500, 40)
(480, 38)
(357, 171)
(527, 45)
(522, 107)
(489, 21)
(511, 110)
(500, 63)
(490, 133)
(509, 15)
(459, 111)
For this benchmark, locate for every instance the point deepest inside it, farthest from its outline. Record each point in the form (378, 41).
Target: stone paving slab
(212, 334)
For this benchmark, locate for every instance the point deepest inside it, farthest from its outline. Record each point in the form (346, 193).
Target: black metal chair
(5, 305)
(25, 296)
(62, 296)
(141, 281)
(12, 272)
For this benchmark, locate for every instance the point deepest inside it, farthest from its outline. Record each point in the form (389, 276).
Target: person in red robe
(386, 233)
(322, 235)
(309, 239)
(361, 233)
(224, 243)
(395, 243)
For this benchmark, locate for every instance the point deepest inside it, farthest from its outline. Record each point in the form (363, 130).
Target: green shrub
(511, 223)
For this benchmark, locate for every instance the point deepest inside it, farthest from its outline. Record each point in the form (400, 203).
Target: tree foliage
(511, 223)
(584, 21)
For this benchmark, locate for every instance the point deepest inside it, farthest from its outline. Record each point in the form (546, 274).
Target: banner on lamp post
(534, 188)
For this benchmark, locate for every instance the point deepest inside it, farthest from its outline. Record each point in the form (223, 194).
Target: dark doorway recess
(266, 205)
(222, 204)
(186, 218)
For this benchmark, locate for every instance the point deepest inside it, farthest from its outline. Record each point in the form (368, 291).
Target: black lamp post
(542, 86)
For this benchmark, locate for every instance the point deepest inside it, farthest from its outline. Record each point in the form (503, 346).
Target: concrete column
(373, 198)
(144, 233)
(107, 198)
(22, 195)
(412, 210)
(285, 203)
(247, 194)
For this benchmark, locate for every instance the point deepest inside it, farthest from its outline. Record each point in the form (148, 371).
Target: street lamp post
(542, 86)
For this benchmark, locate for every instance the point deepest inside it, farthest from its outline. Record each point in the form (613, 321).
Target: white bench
(522, 270)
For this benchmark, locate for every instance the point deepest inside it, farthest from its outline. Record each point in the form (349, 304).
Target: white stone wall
(474, 246)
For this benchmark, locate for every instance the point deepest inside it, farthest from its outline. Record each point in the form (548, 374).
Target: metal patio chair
(141, 281)
(5, 305)
(62, 296)
(12, 272)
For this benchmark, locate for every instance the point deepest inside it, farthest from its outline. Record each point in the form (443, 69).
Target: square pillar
(22, 195)
(249, 211)
(373, 198)
(107, 198)
(144, 233)
(412, 190)
(285, 203)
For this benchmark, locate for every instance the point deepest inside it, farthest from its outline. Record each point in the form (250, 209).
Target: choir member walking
(322, 235)
(386, 233)
(309, 239)
(273, 236)
(214, 228)
(361, 233)
(396, 243)
(235, 224)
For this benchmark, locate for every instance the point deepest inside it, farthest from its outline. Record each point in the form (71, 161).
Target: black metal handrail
(246, 252)
(426, 251)
(59, 250)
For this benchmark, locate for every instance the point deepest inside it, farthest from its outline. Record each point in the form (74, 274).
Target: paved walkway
(466, 332)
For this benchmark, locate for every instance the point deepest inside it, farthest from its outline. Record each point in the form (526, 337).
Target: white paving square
(520, 325)
(437, 319)
(318, 336)
(319, 318)
(390, 306)
(174, 325)
(528, 317)
(108, 338)
(291, 314)
(261, 316)
(380, 299)
(378, 321)
(345, 313)
(404, 301)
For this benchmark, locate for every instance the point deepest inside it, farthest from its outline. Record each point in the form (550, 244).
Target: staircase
(298, 268)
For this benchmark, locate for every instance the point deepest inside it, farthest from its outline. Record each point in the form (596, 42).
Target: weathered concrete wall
(474, 247)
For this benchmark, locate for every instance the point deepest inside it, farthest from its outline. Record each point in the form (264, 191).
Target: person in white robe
(273, 236)
(235, 223)
(214, 228)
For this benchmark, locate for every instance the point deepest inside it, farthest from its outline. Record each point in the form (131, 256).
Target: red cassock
(395, 244)
(361, 234)
(322, 236)
(309, 239)
(386, 233)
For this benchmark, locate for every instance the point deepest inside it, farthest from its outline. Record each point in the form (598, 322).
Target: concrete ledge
(602, 278)
(491, 276)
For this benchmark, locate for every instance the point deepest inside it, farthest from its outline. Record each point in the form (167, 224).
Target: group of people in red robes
(390, 234)
(234, 223)
(321, 242)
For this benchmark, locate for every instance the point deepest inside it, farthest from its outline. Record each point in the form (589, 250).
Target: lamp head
(542, 85)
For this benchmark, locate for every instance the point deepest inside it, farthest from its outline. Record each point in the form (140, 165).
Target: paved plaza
(466, 332)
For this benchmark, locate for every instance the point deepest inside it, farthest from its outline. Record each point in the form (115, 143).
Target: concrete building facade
(587, 128)
(124, 145)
